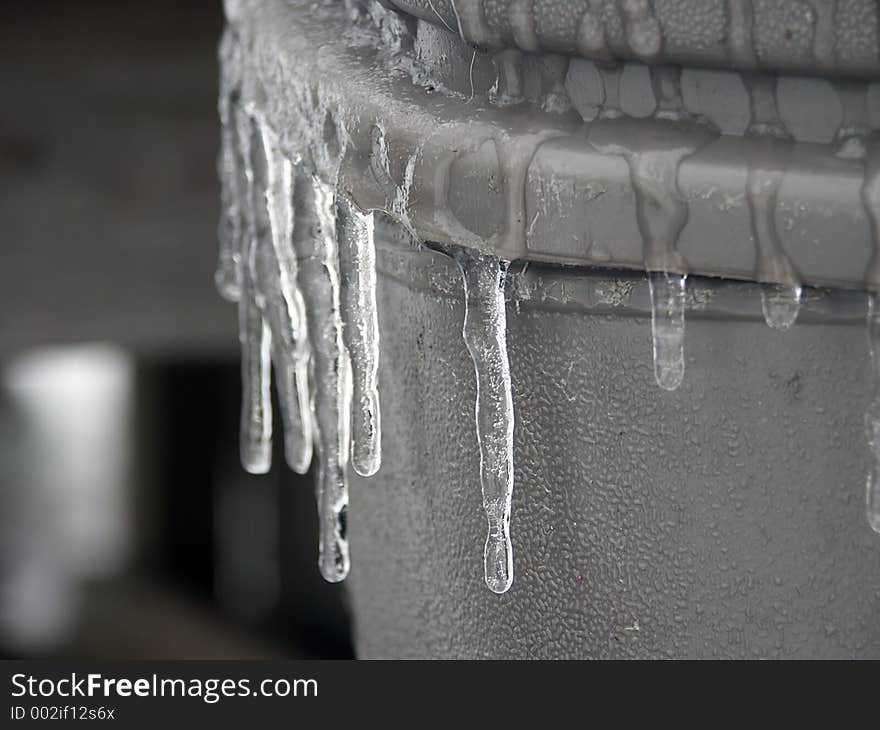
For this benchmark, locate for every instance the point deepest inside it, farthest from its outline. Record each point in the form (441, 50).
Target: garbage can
(613, 306)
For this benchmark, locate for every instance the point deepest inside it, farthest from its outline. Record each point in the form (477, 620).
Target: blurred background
(127, 527)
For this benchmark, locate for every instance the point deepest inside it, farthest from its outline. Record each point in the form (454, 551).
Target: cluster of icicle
(298, 257)
(285, 236)
(662, 213)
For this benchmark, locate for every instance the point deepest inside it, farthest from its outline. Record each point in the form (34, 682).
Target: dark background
(139, 537)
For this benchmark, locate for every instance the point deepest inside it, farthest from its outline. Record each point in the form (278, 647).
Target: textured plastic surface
(725, 519)
(815, 37)
(451, 163)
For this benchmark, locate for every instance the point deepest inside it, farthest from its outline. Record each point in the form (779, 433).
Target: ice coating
(283, 305)
(872, 415)
(485, 335)
(667, 327)
(357, 259)
(315, 242)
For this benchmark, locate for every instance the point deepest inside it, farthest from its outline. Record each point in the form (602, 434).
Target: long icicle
(357, 258)
(315, 241)
(254, 333)
(284, 307)
(485, 335)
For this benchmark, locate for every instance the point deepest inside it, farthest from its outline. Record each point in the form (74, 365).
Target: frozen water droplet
(485, 336)
(781, 304)
(667, 327)
(872, 415)
(357, 258)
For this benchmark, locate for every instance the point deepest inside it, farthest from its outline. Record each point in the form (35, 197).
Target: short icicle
(315, 242)
(254, 333)
(357, 258)
(654, 149)
(282, 302)
(485, 336)
(767, 155)
(667, 327)
(781, 304)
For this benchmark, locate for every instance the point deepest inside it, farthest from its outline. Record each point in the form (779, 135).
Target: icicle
(872, 416)
(870, 194)
(767, 157)
(781, 304)
(232, 192)
(283, 304)
(254, 334)
(315, 242)
(256, 403)
(654, 150)
(485, 335)
(667, 327)
(357, 258)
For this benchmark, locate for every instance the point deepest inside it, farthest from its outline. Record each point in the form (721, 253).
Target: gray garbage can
(658, 274)
(724, 519)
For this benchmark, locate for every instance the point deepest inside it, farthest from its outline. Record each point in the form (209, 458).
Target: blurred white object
(64, 505)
